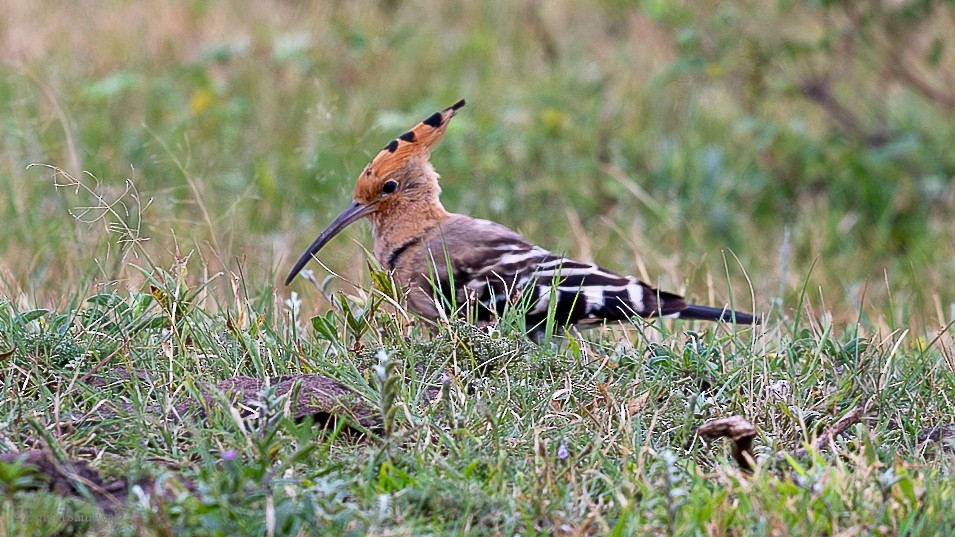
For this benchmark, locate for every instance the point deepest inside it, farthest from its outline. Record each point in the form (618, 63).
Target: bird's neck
(403, 223)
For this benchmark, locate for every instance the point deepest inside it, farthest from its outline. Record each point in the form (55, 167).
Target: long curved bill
(355, 211)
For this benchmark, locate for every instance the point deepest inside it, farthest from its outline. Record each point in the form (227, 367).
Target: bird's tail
(707, 313)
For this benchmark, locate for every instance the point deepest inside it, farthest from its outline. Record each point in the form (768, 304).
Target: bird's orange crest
(414, 143)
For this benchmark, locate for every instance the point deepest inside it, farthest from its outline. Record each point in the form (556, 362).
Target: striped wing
(584, 293)
(504, 270)
(494, 268)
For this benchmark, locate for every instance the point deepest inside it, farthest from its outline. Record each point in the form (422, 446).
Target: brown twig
(93, 370)
(830, 433)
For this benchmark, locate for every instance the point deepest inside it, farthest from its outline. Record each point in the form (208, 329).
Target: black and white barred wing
(494, 269)
(584, 293)
(535, 281)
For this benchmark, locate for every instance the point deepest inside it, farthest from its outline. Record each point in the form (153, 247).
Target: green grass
(161, 167)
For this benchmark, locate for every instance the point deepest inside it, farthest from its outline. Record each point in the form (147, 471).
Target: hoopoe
(444, 258)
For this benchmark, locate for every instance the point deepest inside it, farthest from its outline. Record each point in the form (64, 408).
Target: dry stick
(103, 362)
(831, 432)
(102, 493)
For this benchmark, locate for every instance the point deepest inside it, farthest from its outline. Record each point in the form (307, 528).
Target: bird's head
(400, 176)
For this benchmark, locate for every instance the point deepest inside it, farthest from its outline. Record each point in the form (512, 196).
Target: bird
(448, 261)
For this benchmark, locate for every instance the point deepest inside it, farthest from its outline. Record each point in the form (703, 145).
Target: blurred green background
(806, 145)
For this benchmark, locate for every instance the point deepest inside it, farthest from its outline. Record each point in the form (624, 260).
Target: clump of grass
(592, 436)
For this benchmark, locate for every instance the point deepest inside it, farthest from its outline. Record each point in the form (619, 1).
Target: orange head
(400, 174)
(403, 158)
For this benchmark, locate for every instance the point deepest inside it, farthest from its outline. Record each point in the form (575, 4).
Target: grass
(786, 157)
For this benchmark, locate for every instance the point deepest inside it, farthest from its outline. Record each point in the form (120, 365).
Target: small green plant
(387, 383)
(16, 476)
(261, 485)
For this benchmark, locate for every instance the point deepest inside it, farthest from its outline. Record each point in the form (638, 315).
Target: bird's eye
(389, 187)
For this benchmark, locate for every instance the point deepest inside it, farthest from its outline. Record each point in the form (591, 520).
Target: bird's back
(484, 267)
